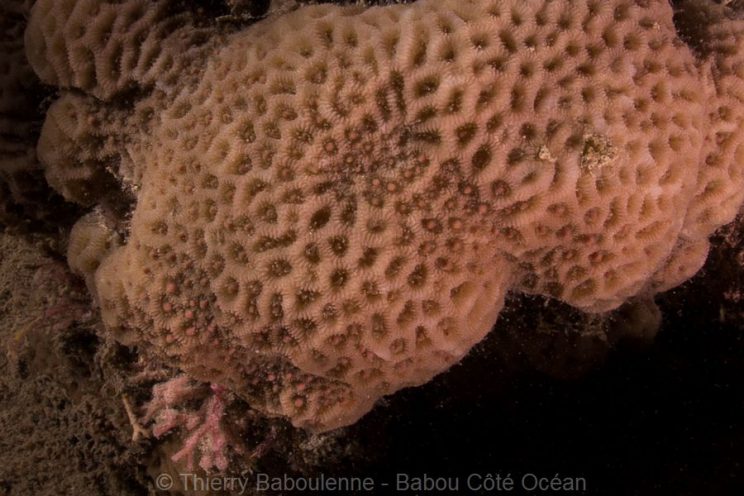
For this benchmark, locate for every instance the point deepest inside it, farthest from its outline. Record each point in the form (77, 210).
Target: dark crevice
(692, 19)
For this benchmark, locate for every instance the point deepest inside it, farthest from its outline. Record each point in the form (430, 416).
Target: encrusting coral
(331, 205)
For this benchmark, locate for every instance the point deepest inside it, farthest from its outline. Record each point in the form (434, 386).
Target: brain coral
(331, 205)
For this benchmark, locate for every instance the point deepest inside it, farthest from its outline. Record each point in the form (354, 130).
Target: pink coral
(332, 205)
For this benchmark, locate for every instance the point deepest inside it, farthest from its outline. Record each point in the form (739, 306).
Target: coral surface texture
(331, 205)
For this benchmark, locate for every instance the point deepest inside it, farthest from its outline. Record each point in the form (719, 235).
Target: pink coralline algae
(204, 432)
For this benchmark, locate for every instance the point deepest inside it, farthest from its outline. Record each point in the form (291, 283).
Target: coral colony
(331, 205)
